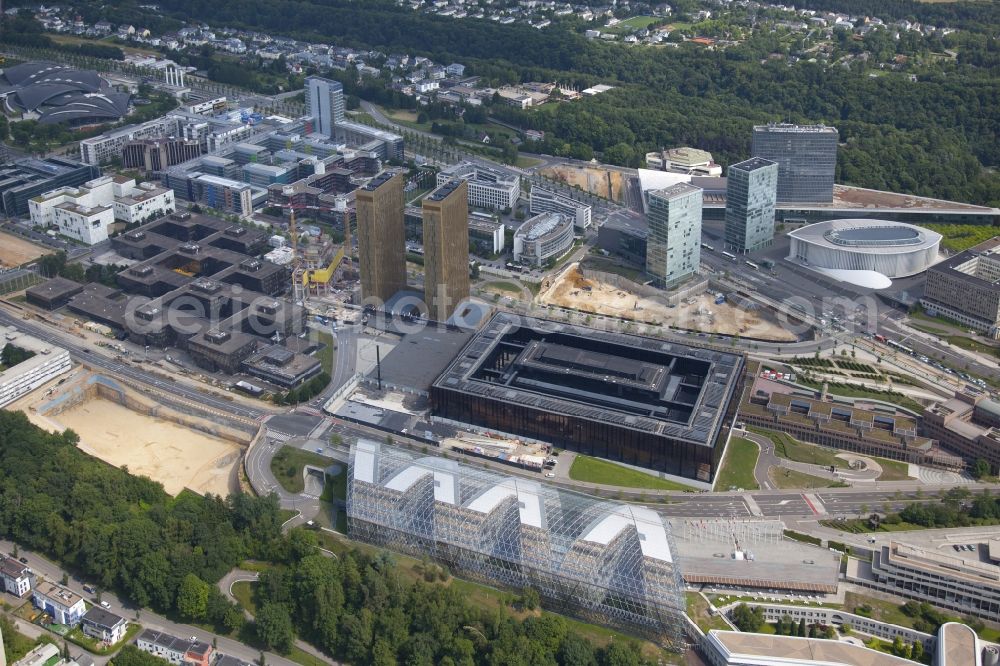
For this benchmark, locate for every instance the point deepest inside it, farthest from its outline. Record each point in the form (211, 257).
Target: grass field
(893, 470)
(595, 470)
(243, 591)
(288, 463)
(634, 23)
(958, 237)
(328, 354)
(790, 478)
(500, 285)
(786, 446)
(697, 610)
(737, 469)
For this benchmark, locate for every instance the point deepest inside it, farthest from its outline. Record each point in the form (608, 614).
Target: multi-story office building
(543, 237)
(806, 157)
(541, 200)
(86, 212)
(446, 248)
(381, 237)
(486, 233)
(750, 199)
(968, 424)
(48, 362)
(488, 188)
(325, 100)
(968, 583)
(966, 288)
(673, 246)
(105, 147)
(384, 145)
(154, 155)
(28, 178)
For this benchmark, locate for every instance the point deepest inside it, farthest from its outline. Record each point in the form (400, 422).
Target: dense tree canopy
(119, 530)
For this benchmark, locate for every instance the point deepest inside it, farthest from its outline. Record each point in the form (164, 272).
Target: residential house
(103, 625)
(64, 605)
(16, 577)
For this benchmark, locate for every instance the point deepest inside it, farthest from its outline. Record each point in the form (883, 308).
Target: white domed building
(866, 252)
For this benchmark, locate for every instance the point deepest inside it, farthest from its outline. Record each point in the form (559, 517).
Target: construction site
(179, 446)
(15, 251)
(600, 181)
(600, 294)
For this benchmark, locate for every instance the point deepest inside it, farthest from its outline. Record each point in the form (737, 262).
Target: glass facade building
(806, 157)
(751, 188)
(673, 246)
(610, 564)
(325, 100)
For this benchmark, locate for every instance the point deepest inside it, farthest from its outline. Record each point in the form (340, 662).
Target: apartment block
(62, 604)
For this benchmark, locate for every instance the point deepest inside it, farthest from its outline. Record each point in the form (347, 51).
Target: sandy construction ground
(15, 251)
(167, 452)
(591, 179)
(572, 290)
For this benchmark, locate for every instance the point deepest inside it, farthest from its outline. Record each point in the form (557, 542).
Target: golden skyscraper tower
(381, 237)
(446, 248)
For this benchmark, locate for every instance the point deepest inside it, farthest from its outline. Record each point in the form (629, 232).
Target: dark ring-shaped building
(58, 94)
(656, 404)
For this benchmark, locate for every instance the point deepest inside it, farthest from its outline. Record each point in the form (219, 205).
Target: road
(84, 353)
(51, 571)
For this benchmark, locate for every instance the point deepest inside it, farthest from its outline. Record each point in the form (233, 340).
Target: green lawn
(595, 470)
(243, 590)
(327, 355)
(697, 610)
(786, 446)
(790, 478)
(500, 285)
(300, 657)
(288, 463)
(527, 162)
(634, 23)
(77, 637)
(958, 237)
(737, 468)
(849, 391)
(973, 345)
(893, 470)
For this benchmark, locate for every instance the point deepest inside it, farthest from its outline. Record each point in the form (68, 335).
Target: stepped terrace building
(607, 563)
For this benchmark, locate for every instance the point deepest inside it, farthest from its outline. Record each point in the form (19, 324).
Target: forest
(932, 137)
(126, 534)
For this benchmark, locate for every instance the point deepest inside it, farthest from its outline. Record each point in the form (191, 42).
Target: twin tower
(382, 243)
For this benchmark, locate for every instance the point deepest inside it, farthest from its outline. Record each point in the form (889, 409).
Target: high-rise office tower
(381, 237)
(673, 247)
(446, 248)
(806, 157)
(325, 99)
(751, 188)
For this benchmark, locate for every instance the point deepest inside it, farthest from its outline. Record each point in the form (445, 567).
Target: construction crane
(299, 293)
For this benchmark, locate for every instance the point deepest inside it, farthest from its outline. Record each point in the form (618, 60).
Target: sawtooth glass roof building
(611, 564)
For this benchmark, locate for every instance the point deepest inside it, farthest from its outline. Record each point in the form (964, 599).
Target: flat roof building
(325, 101)
(488, 187)
(543, 238)
(806, 156)
(381, 237)
(53, 294)
(967, 424)
(542, 200)
(47, 362)
(673, 246)
(967, 583)
(280, 365)
(27, 178)
(446, 249)
(966, 288)
(663, 406)
(750, 199)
